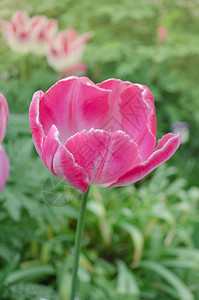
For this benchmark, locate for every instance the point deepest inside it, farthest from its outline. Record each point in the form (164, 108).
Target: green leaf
(127, 287)
(32, 273)
(137, 239)
(180, 263)
(181, 289)
(4, 274)
(28, 290)
(192, 254)
(5, 252)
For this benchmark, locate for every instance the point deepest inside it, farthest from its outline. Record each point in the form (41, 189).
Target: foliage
(140, 241)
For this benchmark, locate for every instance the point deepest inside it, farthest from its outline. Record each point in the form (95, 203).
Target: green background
(140, 241)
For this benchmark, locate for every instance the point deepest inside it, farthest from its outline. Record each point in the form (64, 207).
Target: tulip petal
(132, 111)
(61, 163)
(164, 140)
(79, 105)
(113, 120)
(167, 146)
(42, 32)
(64, 166)
(50, 145)
(104, 156)
(66, 49)
(138, 117)
(35, 125)
(20, 19)
(4, 113)
(4, 168)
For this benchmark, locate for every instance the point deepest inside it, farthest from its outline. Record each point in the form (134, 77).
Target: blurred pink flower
(43, 31)
(102, 134)
(183, 129)
(162, 34)
(78, 69)
(66, 50)
(4, 162)
(25, 35)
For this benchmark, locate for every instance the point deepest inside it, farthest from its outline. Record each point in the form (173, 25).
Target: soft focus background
(140, 241)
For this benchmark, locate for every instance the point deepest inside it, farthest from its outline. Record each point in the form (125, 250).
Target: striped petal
(167, 146)
(104, 156)
(35, 125)
(4, 114)
(4, 168)
(60, 161)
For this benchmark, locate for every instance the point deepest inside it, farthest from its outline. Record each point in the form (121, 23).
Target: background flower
(24, 34)
(162, 34)
(66, 50)
(43, 31)
(183, 129)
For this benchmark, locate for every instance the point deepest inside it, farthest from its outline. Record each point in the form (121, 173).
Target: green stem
(78, 239)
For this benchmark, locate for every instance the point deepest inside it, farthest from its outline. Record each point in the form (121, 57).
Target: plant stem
(78, 239)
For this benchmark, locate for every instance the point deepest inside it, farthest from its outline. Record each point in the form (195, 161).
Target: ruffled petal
(132, 111)
(167, 146)
(164, 140)
(50, 145)
(4, 114)
(104, 156)
(35, 125)
(113, 121)
(73, 104)
(138, 117)
(61, 163)
(4, 168)
(64, 166)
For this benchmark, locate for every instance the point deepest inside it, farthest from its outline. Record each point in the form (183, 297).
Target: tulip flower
(43, 31)
(25, 35)
(66, 50)
(4, 162)
(102, 134)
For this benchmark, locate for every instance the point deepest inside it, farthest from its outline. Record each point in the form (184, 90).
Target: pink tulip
(162, 34)
(43, 31)
(4, 162)
(102, 134)
(25, 35)
(66, 50)
(78, 69)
